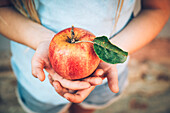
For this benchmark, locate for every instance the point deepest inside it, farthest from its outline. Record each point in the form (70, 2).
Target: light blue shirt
(97, 16)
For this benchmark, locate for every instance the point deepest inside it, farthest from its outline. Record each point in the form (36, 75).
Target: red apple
(73, 60)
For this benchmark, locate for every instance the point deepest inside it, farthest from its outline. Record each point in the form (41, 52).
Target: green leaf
(108, 52)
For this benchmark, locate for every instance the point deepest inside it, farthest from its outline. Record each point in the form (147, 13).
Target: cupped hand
(41, 61)
(75, 91)
(111, 73)
(77, 96)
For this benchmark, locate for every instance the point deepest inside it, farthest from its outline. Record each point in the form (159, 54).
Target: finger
(59, 89)
(50, 70)
(98, 73)
(37, 68)
(94, 80)
(79, 96)
(38, 73)
(73, 85)
(113, 80)
(51, 82)
(50, 79)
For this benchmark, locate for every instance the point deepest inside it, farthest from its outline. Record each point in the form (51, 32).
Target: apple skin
(73, 60)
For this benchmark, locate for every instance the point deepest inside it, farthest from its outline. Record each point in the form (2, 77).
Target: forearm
(18, 28)
(142, 29)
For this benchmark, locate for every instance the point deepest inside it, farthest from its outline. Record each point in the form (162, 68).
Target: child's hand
(73, 95)
(74, 91)
(77, 96)
(110, 72)
(41, 61)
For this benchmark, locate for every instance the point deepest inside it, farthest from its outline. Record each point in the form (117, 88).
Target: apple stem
(73, 40)
(72, 35)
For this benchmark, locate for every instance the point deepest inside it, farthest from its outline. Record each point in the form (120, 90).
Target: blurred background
(149, 79)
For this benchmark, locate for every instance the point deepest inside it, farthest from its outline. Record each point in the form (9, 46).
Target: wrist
(46, 37)
(40, 35)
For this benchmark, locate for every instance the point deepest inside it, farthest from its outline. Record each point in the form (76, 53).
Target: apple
(71, 58)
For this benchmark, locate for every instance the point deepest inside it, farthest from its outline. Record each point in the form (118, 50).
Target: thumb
(112, 78)
(37, 68)
(98, 73)
(96, 78)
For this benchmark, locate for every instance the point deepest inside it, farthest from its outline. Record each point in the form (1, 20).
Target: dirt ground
(148, 90)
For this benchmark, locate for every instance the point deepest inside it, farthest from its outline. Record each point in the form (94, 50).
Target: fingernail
(39, 78)
(116, 89)
(100, 72)
(65, 96)
(98, 81)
